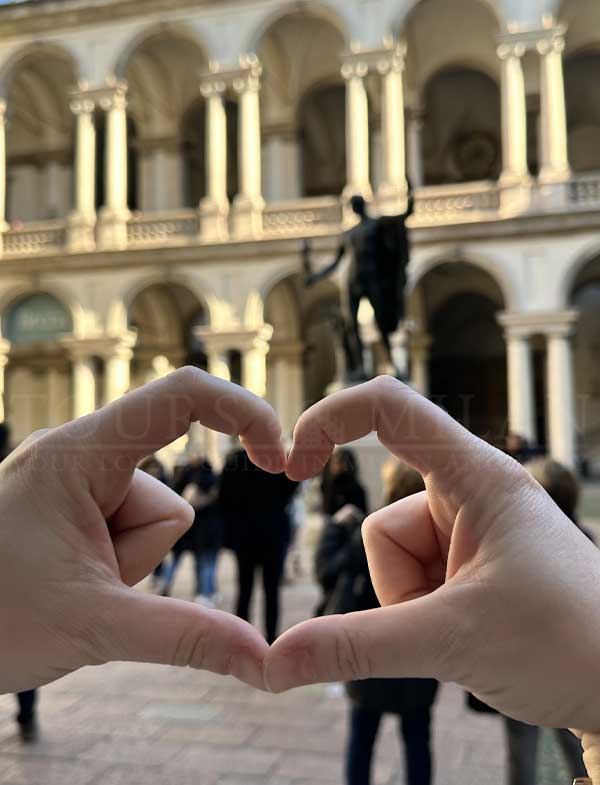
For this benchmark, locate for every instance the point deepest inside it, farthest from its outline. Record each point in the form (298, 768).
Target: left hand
(81, 525)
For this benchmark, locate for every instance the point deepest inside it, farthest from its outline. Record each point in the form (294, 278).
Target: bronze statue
(380, 253)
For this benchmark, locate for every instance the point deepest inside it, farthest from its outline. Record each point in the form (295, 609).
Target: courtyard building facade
(161, 165)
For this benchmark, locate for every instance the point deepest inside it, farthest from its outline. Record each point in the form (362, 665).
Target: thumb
(146, 628)
(418, 638)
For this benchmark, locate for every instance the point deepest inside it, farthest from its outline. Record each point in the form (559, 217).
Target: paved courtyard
(144, 725)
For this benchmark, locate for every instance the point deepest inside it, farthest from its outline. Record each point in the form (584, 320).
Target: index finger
(143, 421)
(406, 423)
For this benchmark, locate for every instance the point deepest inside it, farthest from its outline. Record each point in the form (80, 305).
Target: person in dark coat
(152, 466)
(27, 701)
(342, 562)
(257, 528)
(199, 486)
(340, 488)
(522, 739)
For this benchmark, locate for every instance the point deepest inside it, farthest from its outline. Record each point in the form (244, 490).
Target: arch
(574, 272)
(582, 18)
(495, 271)
(400, 16)
(439, 34)
(22, 292)
(38, 49)
(201, 293)
(582, 94)
(462, 137)
(163, 29)
(322, 10)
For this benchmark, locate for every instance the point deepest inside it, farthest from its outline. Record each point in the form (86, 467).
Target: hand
(483, 580)
(80, 526)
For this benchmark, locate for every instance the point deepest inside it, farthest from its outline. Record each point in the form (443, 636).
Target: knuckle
(385, 384)
(188, 375)
(351, 654)
(192, 647)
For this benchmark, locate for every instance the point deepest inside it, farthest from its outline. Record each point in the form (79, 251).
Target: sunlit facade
(159, 169)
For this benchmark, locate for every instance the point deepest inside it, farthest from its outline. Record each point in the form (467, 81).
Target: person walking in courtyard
(343, 500)
(342, 561)
(255, 507)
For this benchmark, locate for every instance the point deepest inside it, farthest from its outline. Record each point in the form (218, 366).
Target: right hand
(483, 580)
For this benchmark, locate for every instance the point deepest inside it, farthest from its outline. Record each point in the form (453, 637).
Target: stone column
(117, 368)
(514, 115)
(561, 394)
(521, 400)
(214, 208)
(3, 224)
(84, 380)
(217, 444)
(254, 361)
(414, 146)
(554, 159)
(286, 383)
(83, 218)
(419, 362)
(358, 182)
(394, 186)
(56, 403)
(4, 357)
(115, 213)
(249, 203)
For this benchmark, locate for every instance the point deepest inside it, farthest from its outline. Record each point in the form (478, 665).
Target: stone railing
(305, 216)
(447, 204)
(168, 228)
(583, 191)
(35, 239)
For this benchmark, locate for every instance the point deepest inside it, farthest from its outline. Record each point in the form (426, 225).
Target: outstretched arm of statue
(311, 278)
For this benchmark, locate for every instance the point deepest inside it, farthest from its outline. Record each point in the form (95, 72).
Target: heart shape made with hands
(475, 574)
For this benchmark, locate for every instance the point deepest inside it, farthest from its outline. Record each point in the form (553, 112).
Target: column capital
(531, 39)
(549, 323)
(113, 95)
(119, 346)
(247, 79)
(391, 60)
(548, 45)
(354, 67)
(241, 340)
(212, 84)
(506, 50)
(82, 103)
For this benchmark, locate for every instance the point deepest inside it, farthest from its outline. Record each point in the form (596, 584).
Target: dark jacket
(343, 572)
(206, 532)
(341, 490)
(254, 506)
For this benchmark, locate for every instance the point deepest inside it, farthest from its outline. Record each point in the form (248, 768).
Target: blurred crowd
(257, 517)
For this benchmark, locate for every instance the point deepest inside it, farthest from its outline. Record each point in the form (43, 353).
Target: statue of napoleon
(379, 251)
